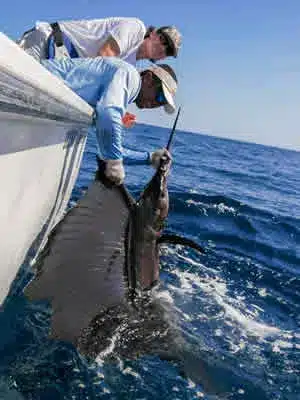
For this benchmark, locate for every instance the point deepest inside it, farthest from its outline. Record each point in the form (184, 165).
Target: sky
(238, 68)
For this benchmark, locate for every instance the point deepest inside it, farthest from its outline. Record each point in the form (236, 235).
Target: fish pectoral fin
(175, 239)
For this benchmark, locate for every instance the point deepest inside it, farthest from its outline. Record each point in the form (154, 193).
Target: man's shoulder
(128, 20)
(127, 75)
(122, 65)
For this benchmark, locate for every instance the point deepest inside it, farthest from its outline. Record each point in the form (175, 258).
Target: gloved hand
(156, 156)
(114, 171)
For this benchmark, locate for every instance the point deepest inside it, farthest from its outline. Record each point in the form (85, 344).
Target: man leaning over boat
(109, 85)
(125, 38)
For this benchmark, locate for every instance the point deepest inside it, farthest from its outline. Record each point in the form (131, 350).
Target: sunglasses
(160, 97)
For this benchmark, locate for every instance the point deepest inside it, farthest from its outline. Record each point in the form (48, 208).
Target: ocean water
(237, 307)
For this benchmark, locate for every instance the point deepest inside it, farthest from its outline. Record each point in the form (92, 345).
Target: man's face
(151, 93)
(156, 47)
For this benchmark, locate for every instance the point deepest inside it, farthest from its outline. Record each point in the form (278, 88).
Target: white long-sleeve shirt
(87, 36)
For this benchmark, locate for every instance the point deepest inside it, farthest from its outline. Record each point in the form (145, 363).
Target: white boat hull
(43, 128)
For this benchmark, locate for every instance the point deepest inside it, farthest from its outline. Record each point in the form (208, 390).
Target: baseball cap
(168, 82)
(172, 37)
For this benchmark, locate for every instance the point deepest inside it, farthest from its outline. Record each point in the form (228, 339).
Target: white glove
(114, 171)
(157, 155)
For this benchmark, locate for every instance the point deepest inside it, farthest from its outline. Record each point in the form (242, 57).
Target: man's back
(91, 78)
(108, 84)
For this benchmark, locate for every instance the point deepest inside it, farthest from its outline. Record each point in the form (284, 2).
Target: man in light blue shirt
(109, 85)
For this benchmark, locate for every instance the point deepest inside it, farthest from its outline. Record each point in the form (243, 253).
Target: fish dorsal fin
(83, 270)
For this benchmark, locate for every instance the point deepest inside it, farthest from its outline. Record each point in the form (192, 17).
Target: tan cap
(169, 84)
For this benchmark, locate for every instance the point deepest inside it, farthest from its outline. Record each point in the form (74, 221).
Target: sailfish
(99, 272)
(102, 259)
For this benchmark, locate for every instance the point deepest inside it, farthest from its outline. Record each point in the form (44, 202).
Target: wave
(238, 321)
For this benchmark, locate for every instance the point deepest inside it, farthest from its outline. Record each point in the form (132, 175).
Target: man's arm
(111, 107)
(134, 157)
(109, 48)
(123, 38)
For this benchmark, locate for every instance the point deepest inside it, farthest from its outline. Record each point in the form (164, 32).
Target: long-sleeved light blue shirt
(109, 85)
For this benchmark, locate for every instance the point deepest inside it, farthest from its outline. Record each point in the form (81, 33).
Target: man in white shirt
(126, 38)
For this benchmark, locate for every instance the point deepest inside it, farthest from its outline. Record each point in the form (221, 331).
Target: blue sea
(237, 307)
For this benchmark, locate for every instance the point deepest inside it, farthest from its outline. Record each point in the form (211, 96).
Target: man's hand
(109, 48)
(129, 120)
(157, 155)
(114, 171)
